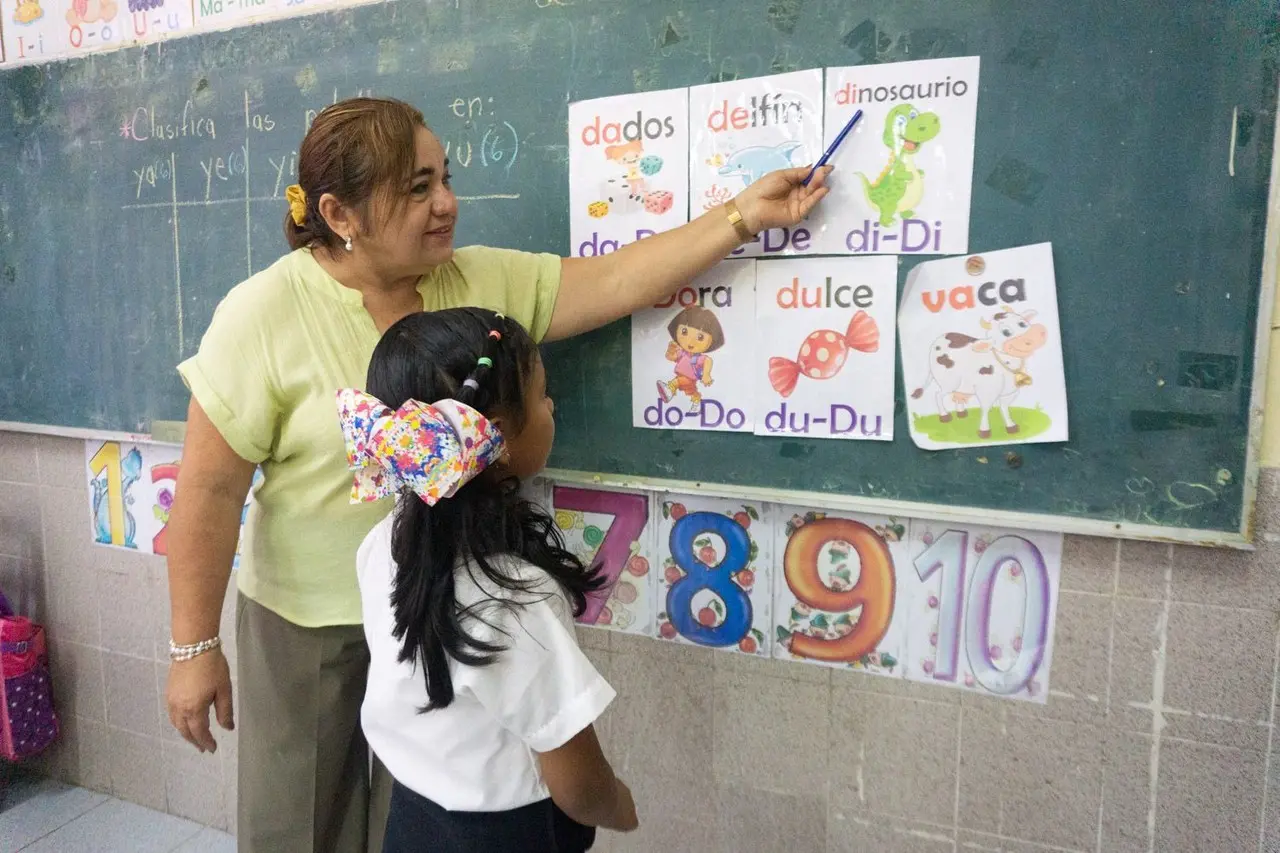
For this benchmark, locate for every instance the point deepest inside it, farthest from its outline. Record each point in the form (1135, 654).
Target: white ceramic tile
(209, 841)
(44, 807)
(117, 826)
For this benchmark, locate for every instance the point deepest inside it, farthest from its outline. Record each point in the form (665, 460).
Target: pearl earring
(348, 242)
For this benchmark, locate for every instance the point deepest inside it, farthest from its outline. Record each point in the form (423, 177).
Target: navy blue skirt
(418, 825)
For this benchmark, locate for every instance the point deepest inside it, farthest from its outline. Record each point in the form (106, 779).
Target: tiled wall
(1157, 735)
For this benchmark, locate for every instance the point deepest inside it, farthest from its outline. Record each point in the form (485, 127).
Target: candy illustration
(823, 353)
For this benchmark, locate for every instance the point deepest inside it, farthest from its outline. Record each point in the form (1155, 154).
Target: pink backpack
(28, 724)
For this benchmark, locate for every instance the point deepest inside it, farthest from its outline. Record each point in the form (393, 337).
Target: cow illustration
(990, 370)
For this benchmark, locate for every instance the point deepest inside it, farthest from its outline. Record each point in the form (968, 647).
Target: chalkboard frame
(865, 39)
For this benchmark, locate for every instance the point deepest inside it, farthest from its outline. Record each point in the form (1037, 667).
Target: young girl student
(479, 701)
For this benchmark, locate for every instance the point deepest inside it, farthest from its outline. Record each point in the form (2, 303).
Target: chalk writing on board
(144, 124)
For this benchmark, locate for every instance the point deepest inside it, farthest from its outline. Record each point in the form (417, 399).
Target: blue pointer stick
(832, 149)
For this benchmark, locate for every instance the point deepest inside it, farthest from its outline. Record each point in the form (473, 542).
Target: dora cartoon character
(695, 331)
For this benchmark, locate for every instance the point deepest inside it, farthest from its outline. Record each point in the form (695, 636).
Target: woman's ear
(341, 220)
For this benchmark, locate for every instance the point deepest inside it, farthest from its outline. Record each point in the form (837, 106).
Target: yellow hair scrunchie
(297, 203)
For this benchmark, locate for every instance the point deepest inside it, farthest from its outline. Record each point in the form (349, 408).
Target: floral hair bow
(432, 449)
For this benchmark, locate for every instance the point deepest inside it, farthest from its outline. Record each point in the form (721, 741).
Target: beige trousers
(304, 766)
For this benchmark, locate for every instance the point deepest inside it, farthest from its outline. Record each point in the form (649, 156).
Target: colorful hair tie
(485, 360)
(495, 334)
(471, 383)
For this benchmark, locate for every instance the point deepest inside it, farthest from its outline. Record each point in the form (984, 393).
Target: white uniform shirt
(478, 753)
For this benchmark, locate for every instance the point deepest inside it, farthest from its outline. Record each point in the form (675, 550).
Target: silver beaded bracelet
(179, 653)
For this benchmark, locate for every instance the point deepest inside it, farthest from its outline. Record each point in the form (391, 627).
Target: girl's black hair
(428, 357)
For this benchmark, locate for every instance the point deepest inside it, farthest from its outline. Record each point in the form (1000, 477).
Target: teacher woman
(371, 228)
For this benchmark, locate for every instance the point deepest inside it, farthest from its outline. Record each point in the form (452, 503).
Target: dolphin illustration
(755, 162)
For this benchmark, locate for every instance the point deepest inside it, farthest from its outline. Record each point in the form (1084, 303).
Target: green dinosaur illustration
(900, 187)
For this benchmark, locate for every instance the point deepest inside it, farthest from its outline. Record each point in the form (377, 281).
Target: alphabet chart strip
(36, 31)
(131, 491)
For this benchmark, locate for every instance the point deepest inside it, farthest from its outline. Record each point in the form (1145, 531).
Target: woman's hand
(194, 685)
(780, 199)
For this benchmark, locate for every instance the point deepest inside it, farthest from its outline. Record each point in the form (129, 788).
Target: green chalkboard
(137, 187)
